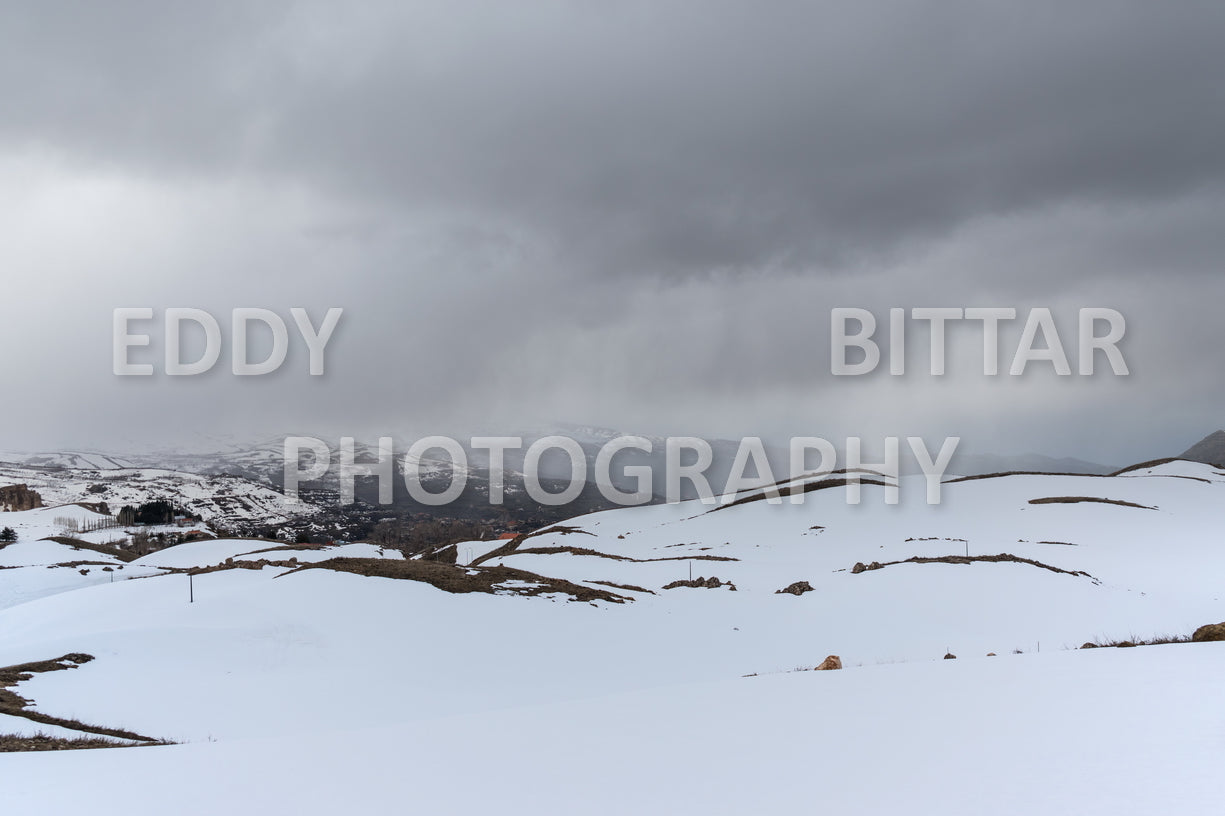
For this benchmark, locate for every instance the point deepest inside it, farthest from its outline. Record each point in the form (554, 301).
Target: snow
(204, 553)
(315, 553)
(48, 521)
(217, 499)
(374, 695)
(468, 551)
(208, 553)
(21, 727)
(1054, 733)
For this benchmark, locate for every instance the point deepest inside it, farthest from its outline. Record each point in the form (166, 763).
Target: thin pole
(191, 588)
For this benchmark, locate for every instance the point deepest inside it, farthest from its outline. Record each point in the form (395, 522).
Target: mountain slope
(464, 693)
(1210, 450)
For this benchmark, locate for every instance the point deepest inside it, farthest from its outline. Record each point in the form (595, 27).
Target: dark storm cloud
(636, 214)
(646, 137)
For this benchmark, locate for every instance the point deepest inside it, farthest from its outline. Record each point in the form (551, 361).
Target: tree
(8, 535)
(140, 542)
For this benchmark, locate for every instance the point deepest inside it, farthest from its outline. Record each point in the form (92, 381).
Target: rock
(702, 583)
(950, 656)
(875, 565)
(858, 568)
(798, 588)
(831, 663)
(1209, 633)
(1089, 646)
(15, 498)
(990, 654)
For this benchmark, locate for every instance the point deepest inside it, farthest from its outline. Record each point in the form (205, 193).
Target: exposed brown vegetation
(78, 544)
(446, 555)
(615, 557)
(968, 559)
(1004, 473)
(701, 583)
(808, 488)
(506, 549)
(450, 578)
(14, 704)
(629, 587)
(288, 548)
(1089, 499)
(1148, 464)
(1159, 640)
(11, 743)
(76, 564)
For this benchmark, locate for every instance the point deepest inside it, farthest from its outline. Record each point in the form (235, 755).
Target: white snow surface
(1071, 732)
(373, 695)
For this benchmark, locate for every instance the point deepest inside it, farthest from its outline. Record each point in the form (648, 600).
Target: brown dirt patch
(1088, 499)
(15, 705)
(78, 544)
(1008, 558)
(459, 580)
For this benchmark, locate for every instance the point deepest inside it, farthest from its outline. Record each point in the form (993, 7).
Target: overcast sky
(637, 216)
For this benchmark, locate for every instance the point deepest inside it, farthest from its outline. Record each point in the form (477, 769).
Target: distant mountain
(1210, 450)
(976, 464)
(262, 462)
(94, 460)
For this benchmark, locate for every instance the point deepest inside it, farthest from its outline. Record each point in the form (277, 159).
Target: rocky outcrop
(798, 588)
(702, 583)
(1211, 632)
(831, 663)
(15, 498)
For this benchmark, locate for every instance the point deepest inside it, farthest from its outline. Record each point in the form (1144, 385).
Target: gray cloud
(635, 215)
(673, 139)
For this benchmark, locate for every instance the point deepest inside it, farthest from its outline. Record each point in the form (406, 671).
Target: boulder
(798, 588)
(1211, 632)
(830, 663)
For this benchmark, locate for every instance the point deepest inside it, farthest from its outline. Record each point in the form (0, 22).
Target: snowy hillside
(560, 668)
(224, 501)
(1092, 733)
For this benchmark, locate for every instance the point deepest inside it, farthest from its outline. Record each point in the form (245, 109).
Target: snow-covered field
(1110, 732)
(313, 691)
